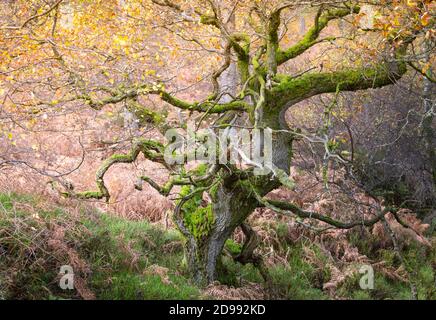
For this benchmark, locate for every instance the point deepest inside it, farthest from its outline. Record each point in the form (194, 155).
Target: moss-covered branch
(272, 44)
(322, 20)
(206, 106)
(145, 115)
(195, 177)
(129, 94)
(240, 43)
(307, 85)
(151, 150)
(167, 187)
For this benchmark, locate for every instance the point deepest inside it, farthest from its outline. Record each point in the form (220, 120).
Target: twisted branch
(151, 150)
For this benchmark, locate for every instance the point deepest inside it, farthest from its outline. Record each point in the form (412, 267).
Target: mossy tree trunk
(263, 96)
(229, 209)
(232, 202)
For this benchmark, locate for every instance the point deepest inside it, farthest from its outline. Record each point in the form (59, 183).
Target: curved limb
(310, 39)
(166, 188)
(147, 89)
(287, 208)
(151, 150)
(220, 71)
(247, 254)
(250, 244)
(293, 90)
(176, 181)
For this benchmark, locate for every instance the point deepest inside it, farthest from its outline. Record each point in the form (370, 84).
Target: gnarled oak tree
(251, 87)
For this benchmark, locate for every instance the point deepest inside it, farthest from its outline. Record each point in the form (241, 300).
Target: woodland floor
(117, 258)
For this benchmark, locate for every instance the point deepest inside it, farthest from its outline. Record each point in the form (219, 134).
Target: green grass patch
(118, 255)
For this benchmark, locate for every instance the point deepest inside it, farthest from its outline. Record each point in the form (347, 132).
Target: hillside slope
(114, 258)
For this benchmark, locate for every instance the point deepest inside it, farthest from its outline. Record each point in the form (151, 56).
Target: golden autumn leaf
(425, 68)
(425, 19)
(411, 3)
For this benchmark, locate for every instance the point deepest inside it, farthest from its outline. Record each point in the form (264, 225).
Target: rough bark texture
(428, 130)
(232, 202)
(261, 100)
